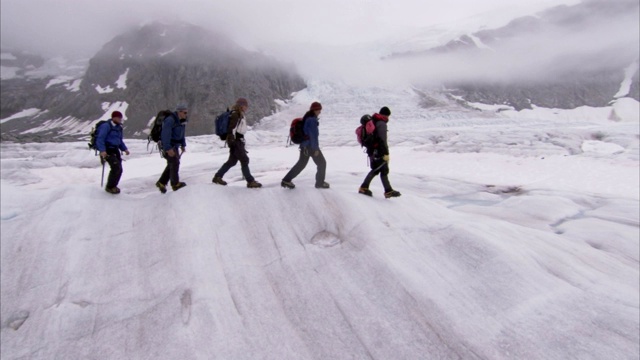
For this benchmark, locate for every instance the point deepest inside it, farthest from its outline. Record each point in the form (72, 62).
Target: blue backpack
(222, 124)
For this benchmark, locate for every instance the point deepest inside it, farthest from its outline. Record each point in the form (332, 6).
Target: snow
(478, 42)
(121, 83)
(167, 52)
(108, 108)
(104, 90)
(74, 86)
(625, 86)
(21, 114)
(515, 237)
(59, 80)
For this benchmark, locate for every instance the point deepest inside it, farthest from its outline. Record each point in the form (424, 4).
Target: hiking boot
(324, 185)
(162, 187)
(254, 185)
(114, 190)
(392, 193)
(287, 184)
(218, 180)
(178, 186)
(365, 191)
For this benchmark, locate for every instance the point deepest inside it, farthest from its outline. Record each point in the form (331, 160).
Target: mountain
(140, 72)
(563, 57)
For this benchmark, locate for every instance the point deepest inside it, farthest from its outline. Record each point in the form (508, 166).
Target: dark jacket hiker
(237, 151)
(109, 142)
(173, 140)
(310, 147)
(379, 156)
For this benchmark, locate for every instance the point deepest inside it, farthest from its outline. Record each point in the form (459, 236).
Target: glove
(171, 152)
(103, 154)
(386, 159)
(127, 152)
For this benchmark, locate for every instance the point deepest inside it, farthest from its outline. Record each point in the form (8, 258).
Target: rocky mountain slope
(564, 57)
(140, 72)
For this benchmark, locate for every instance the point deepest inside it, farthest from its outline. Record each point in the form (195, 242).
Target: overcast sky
(69, 26)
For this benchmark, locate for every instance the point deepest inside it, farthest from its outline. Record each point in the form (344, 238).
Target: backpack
(156, 130)
(222, 124)
(94, 132)
(366, 132)
(296, 131)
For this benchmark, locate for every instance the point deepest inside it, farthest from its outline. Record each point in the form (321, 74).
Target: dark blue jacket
(311, 130)
(173, 132)
(109, 135)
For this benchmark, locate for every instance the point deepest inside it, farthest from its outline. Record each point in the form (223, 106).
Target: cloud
(330, 39)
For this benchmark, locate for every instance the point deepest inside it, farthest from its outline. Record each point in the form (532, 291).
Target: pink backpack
(365, 133)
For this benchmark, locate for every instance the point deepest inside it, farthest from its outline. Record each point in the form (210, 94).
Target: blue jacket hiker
(310, 147)
(379, 156)
(109, 142)
(173, 139)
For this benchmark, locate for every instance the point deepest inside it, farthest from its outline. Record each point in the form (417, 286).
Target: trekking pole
(102, 179)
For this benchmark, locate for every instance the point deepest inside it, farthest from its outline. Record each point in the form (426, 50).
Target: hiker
(379, 156)
(172, 138)
(310, 147)
(235, 139)
(109, 143)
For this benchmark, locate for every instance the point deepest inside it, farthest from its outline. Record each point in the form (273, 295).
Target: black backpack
(92, 135)
(156, 130)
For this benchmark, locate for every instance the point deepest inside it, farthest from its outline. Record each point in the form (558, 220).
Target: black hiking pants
(378, 166)
(114, 159)
(171, 171)
(319, 160)
(237, 152)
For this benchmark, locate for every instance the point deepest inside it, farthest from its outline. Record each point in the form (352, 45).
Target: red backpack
(366, 132)
(296, 131)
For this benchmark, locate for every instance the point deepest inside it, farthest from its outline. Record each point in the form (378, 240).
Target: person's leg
(231, 162)
(375, 170)
(384, 177)
(174, 169)
(115, 164)
(241, 155)
(298, 167)
(321, 164)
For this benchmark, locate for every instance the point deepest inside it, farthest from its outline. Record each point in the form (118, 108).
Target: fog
(332, 39)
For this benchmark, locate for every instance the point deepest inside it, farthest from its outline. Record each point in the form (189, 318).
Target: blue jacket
(311, 130)
(109, 135)
(173, 132)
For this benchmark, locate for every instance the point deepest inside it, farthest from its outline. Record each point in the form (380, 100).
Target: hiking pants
(237, 153)
(378, 166)
(115, 163)
(321, 164)
(171, 171)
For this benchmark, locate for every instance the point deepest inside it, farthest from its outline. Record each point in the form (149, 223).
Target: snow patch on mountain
(22, 114)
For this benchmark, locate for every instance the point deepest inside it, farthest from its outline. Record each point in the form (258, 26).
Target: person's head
(182, 111)
(385, 111)
(116, 117)
(242, 104)
(316, 107)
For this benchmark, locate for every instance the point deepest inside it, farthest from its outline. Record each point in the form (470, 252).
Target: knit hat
(385, 111)
(181, 107)
(315, 106)
(116, 114)
(242, 102)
